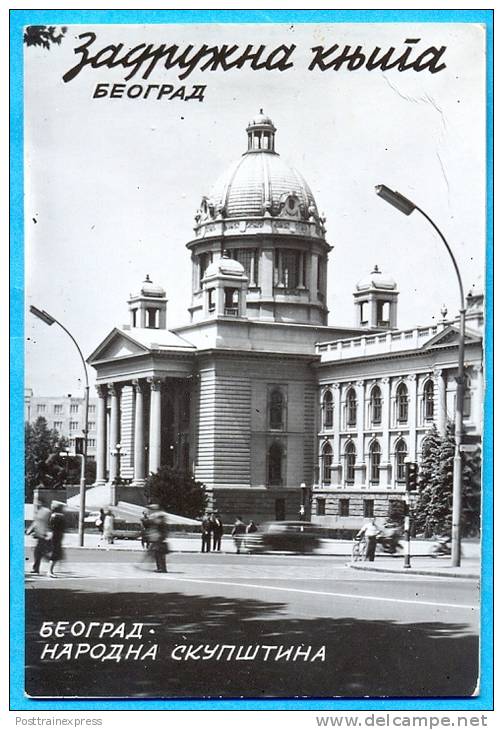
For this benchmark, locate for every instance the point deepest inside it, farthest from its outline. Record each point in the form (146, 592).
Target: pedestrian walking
(217, 529)
(39, 528)
(108, 527)
(251, 527)
(238, 532)
(57, 531)
(144, 530)
(206, 534)
(100, 520)
(157, 534)
(369, 531)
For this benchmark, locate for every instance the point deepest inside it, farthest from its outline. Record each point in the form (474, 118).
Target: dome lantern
(261, 132)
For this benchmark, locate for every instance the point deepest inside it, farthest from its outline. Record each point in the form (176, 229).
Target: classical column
(101, 435)
(139, 436)
(114, 395)
(441, 410)
(360, 440)
(154, 454)
(385, 466)
(412, 380)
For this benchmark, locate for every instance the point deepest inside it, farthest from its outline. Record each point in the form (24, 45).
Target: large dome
(261, 183)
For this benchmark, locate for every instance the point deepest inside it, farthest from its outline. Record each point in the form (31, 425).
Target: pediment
(450, 336)
(117, 345)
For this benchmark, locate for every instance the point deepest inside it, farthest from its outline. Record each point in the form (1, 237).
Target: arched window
(375, 460)
(276, 409)
(350, 458)
(351, 404)
(400, 456)
(467, 398)
(375, 405)
(402, 403)
(328, 410)
(326, 459)
(428, 401)
(275, 465)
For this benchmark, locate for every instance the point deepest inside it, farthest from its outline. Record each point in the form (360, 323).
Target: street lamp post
(50, 320)
(407, 207)
(116, 453)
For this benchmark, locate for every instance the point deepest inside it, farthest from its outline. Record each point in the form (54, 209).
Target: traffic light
(79, 445)
(411, 476)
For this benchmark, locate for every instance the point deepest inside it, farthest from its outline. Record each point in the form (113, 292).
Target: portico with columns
(143, 423)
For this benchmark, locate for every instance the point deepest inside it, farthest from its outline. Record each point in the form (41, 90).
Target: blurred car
(296, 537)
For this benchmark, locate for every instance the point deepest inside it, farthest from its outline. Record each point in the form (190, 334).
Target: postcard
(257, 269)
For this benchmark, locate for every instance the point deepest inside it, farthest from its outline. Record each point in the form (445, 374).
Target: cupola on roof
(377, 280)
(260, 183)
(225, 266)
(149, 289)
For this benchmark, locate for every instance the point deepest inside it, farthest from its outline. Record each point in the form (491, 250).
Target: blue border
(20, 18)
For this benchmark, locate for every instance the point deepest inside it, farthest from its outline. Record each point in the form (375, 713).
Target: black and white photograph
(255, 380)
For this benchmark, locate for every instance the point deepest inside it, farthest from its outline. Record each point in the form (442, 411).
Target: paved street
(384, 634)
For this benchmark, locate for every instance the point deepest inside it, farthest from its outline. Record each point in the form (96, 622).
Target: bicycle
(359, 550)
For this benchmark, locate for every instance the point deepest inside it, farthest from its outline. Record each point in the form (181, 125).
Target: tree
(43, 35)
(42, 465)
(433, 509)
(472, 471)
(177, 492)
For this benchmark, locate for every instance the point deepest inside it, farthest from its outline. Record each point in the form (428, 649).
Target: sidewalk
(439, 567)
(421, 563)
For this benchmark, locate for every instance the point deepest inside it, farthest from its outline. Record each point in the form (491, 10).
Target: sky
(112, 185)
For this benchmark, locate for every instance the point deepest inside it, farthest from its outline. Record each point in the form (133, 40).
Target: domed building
(258, 396)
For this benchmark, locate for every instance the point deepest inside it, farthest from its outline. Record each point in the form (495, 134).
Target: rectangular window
(320, 507)
(279, 509)
(344, 507)
(74, 425)
(74, 408)
(396, 510)
(211, 300)
(40, 408)
(92, 425)
(91, 443)
(368, 507)
(319, 276)
(287, 268)
(92, 409)
(205, 260)
(248, 258)
(58, 409)
(57, 425)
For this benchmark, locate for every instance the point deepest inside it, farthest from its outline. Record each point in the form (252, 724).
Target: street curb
(415, 571)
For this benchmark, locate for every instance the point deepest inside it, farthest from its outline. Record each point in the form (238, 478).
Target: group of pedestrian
(212, 529)
(48, 528)
(213, 526)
